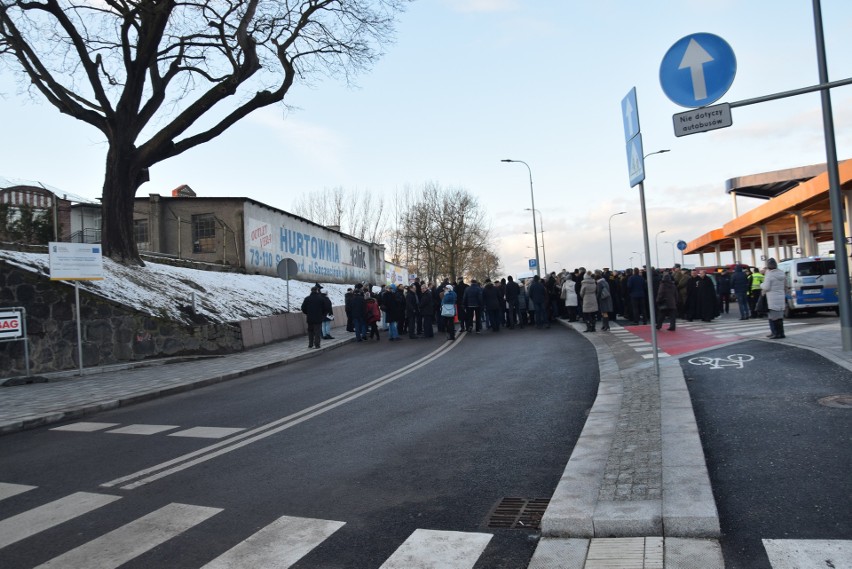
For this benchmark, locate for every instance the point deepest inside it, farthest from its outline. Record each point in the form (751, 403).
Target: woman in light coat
(569, 295)
(589, 296)
(773, 287)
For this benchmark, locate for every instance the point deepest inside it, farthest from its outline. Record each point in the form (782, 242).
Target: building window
(204, 233)
(140, 233)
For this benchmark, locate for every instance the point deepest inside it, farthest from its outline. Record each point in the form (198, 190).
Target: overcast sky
(470, 82)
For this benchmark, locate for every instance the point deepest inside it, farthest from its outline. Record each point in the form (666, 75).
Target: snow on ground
(160, 290)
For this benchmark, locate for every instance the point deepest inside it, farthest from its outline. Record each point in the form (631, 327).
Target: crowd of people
(591, 296)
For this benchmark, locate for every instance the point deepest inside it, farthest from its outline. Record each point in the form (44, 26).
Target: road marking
(733, 360)
(808, 553)
(132, 540)
(44, 517)
(84, 427)
(142, 429)
(199, 456)
(207, 432)
(8, 490)
(429, 549)
(279, 545)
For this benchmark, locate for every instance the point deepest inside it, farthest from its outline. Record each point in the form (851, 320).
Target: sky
(470, 82)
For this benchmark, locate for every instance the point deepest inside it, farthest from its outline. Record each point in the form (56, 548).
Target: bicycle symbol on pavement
(734, 360)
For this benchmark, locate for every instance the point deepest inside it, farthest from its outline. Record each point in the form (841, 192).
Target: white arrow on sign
(694, 58)
(635, 161)
(628, 114)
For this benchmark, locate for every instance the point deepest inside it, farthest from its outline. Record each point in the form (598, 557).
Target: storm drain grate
(518, 513)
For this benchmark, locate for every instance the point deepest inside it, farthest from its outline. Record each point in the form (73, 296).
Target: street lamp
(641, 257)
(657, 246)
(543, 250)
(611, 262)
(673, 253)
(532, 200)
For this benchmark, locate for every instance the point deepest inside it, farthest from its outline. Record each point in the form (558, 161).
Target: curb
(687, 508)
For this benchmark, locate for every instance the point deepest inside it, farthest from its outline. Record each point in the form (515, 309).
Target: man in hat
(314, 308)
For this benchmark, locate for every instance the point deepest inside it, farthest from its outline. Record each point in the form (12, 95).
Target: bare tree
(443, 232)
(144, 72)
(356, 213)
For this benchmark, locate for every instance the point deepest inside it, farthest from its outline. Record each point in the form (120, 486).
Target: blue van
(810, 285)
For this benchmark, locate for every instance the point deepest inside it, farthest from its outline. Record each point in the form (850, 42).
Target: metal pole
(657, 246)
(79, 327)
(611, 261)
(652, 317)
(535, 227)
(834, 194)
(543, 249)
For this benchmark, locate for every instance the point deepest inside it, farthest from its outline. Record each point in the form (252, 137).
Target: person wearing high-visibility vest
(755, 280)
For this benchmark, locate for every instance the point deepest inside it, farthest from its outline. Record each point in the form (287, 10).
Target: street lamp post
(543, 249)
(641, 257)
(611, 261)
(657, 246)
(673, 253)
(532, 200)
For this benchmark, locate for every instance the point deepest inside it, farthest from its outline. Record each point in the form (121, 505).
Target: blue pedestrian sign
(697, 70)
(635, 160)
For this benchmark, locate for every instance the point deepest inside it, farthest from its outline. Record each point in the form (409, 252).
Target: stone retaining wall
(111, 333)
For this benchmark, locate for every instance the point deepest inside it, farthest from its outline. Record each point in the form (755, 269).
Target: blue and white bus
(811, 285)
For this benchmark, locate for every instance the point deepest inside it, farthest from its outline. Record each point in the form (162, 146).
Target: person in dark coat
(723, 290)
(412, 310)
(473, 306)
(491, 297)
(637, 289)
(358, 308)
(667, 302)
(538, 296)
(392, 309)
(513, 291)
(427, 311)
(314, 308)
(704, 304)
(739, 282)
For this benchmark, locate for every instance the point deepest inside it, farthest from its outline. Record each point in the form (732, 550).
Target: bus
(810, 285)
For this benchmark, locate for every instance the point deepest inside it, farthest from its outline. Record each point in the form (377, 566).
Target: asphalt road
(779, 461)
(433, 446)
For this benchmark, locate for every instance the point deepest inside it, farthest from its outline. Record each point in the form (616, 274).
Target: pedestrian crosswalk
(278, 545)
(701, 335)
(145, 430)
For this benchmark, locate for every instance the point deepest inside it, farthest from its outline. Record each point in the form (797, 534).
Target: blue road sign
(635, 160)
(681, 245)
(533, 263)
(697, 70)
(630, 115)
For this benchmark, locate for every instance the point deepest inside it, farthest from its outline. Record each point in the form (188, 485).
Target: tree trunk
(121, 181)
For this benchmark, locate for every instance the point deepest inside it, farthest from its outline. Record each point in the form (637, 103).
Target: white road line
(44, 517)
(279, 545)
(808, 553)
(199, 456)
(207, 432)
(429, 549)
(84, 427)
(142, 429)
(132, 540)
(8, 490)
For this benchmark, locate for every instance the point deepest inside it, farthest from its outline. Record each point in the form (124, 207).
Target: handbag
(762, 305)
(448, 310)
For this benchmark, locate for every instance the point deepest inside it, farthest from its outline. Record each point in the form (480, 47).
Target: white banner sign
(76, 262)
(11, 325)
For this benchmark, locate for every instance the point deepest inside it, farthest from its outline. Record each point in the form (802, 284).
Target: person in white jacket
(569, 295)
(773, 287)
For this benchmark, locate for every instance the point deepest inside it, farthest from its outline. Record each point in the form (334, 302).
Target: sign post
(636, 171)
(287, 269)
(76, 262)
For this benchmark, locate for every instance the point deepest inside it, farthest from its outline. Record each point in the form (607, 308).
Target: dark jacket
(513, 290)
(357, 306)
(314, 308)
(427, 304)
(473, 296)
(491, 297)
(667, 295)
(739, 281)
(411, 304)
(636, 286)
(391, 306)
